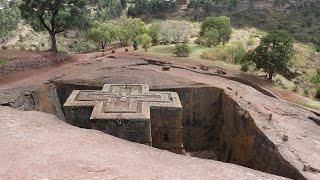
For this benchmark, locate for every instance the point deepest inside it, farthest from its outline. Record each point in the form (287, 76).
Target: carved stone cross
(118, 101)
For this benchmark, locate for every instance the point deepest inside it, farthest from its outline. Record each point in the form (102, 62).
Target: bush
(245, 67)
(154, 33)
(306, 92)
(80, 47)
(182, 50)
(316, 77)
(145, 41)
(211, 37)
(231, 52)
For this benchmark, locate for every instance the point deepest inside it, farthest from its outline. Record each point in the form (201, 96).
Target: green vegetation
(316, 77)
(211, 37)
(110, 9)
(145, 40)
(199, 6)
(273, 53)
(130, 29)
(212, 41)
(152, 7)
(300, 20)
(154, 33)
(9, 20)
(2, 62)
(102, 34)
(220, 24)
(182, 50)
(55, 16)
(232, 52)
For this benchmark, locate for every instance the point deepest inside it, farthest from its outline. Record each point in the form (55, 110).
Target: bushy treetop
(221, 24)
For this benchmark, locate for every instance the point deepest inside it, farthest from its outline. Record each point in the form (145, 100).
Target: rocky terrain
(37, 145)
(250, 127)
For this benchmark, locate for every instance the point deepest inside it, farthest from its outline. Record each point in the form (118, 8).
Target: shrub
(145, 41)
(306, 92)
(102, 34)
(245, 67)
(211, 37)
(154, 32)
(182, 50)
(231, 52)
(316, 77)
(80, 47)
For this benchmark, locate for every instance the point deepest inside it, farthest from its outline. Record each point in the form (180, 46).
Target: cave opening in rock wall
(214, 126)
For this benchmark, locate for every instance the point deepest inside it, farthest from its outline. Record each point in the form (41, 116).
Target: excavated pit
(214, 126)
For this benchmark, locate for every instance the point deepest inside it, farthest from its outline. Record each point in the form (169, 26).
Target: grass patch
(231, 52)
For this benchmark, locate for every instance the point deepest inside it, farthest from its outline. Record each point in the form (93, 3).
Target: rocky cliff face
(212, 120)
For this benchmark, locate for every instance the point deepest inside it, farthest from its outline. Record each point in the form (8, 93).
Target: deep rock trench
(212, 121)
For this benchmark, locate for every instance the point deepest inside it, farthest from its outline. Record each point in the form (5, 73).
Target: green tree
(152, 7)
(154, 32)
(182, 50)
(201, 5)
(55, 16)
(273, 53)
(130, 29)
(221, 24)
(211, 37)
(102, 34)
(9, 20)
(110, 9)
(145, 41)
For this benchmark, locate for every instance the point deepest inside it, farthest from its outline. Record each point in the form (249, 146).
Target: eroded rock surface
(247, 126)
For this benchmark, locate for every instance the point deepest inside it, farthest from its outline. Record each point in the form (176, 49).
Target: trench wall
(211, 120)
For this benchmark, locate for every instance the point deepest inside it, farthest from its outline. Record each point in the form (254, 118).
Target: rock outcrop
(37, 145)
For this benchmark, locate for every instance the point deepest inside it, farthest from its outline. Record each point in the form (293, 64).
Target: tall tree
(9, 19)
(221, 24)
(103, 34)
(55, 16)
(130, 29)
(273, 53)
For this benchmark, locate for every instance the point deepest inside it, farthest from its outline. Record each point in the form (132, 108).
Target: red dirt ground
(42, 66)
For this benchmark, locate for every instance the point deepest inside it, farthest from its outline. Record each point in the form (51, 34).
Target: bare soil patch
(17, 61)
